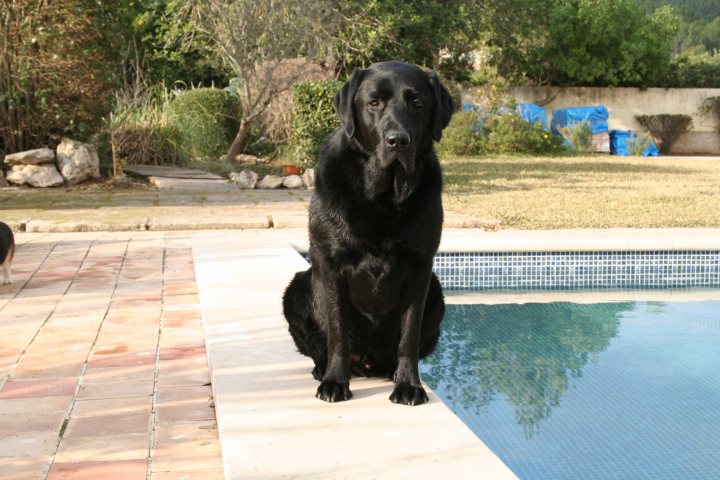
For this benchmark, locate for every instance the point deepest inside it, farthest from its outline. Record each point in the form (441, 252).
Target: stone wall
(624, 103)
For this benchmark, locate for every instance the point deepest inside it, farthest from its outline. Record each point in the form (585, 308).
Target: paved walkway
(103, 369)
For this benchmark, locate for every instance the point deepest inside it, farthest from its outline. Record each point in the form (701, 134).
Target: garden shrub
(142, 131)
(579, 136)
(665, 128)
(463, 135)
(711, 106)
(207, 120)
(473, 132)
(313, 117)
(510, 133)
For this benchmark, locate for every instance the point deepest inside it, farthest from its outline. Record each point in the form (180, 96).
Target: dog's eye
(375, 103)
(418, 104)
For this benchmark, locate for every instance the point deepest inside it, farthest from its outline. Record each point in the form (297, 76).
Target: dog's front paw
(408, 394)
(332, 391)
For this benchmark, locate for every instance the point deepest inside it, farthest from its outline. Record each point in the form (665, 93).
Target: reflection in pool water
(563, 390)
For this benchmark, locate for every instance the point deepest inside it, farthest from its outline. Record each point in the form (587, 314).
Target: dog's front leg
(408, 388)
(335, 384)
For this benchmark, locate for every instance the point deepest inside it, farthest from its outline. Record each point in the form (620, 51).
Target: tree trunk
(238, 141)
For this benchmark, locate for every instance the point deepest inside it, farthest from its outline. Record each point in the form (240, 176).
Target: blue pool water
(587, 391)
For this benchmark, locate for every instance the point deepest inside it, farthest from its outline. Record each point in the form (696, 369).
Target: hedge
(313, 117)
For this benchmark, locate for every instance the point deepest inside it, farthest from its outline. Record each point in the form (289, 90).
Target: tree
(439, 34)
(581, 42)
(256, 37)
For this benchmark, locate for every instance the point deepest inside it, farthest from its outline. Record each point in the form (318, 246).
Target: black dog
(7, 251)
(370, 304)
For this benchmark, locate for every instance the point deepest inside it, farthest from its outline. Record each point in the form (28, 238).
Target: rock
(293, 181)
(308, 178)
(30, 157)
(245, 179)
(270, 182)
(77, 161)
(243, 159)
(45, 175)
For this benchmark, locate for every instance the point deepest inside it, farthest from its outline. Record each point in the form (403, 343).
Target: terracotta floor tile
(207, 474)
(181, 432)
(114, 390)
(189, 455)
(183, 373)
(119, 374)
(19, 423)
(111, 406)
(184, 393)
(108, 470)
(128, 360)
(120, 424)
(28, 444)
(184, 411)
(13, 406)
(34, 371)
(24, 468)
(173, 353)
(103, 448)
(39, 388)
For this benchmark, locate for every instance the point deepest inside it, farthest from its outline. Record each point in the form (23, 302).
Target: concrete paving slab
(270, 423)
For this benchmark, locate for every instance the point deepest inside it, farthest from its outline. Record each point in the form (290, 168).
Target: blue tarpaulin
(619, 140)
(532, 113)
(567, 117)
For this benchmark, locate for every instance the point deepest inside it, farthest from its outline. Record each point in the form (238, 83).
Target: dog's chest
(376, 283)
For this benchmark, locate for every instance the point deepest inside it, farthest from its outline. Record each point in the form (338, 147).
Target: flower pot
(292, 169)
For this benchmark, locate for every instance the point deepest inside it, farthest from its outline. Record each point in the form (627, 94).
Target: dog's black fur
(370, 304)
(7, 251)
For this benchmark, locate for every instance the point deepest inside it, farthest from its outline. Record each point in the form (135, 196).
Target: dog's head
(392, 109)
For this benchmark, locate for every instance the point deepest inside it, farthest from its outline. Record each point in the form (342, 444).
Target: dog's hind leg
(297, 307)
(433, 315)
(7, 269)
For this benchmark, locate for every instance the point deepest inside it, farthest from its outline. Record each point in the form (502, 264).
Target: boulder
(270, 182)
(77, 161)
(45, 175)
(308, 178)
(293, 181)
(30, 157)
(245, 179)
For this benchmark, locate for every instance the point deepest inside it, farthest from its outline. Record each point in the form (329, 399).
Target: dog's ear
(442, 106)
(344, 102)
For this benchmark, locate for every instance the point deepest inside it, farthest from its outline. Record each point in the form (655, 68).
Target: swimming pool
(593, 391)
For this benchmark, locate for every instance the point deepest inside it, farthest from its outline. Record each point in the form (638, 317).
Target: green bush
(207, 120)
(462, 136)
(510, 133)
(665, 128)
(579, 136)
(473, 132)
(313, 117)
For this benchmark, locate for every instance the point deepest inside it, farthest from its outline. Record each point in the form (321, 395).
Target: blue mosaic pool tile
(575, 270)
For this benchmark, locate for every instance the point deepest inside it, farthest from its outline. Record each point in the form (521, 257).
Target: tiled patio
(103, 369)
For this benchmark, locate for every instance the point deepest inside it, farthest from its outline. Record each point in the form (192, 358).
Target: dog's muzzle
(398, 147)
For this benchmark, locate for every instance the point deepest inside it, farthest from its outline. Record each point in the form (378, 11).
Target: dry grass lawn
(585, 192)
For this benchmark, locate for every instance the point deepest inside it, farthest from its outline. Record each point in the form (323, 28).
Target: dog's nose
(397, 139)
